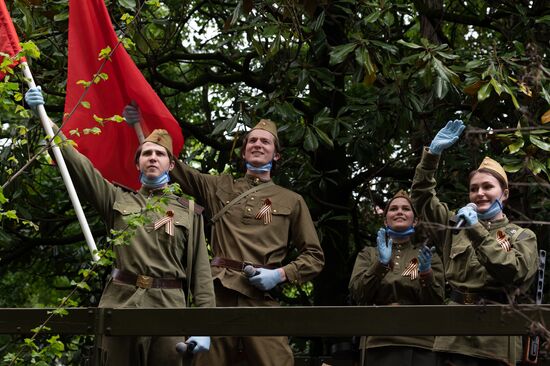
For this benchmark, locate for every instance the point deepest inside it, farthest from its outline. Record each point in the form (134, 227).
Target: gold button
(274, 210)
(252, 198)
(396, 263)
(226, 202)
(248, 209)
(397, 256)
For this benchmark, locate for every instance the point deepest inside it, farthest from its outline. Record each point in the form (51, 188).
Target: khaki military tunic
(239, 235)
(491, 257)
(150, 252)
(373, 283)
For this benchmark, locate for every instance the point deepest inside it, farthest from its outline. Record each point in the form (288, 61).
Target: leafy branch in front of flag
(48, 353)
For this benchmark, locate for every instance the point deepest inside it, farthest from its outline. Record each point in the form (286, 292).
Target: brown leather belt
(236, 265)
(471, 298)
(143, 281)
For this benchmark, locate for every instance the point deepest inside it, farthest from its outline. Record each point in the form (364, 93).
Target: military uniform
(152, 252)
(242, 235)
(482, 263)
(399, 283)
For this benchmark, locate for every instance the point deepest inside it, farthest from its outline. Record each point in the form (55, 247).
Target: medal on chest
(265, 212)
(166, 221)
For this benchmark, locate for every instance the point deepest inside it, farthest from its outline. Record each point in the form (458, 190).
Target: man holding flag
(150, 270)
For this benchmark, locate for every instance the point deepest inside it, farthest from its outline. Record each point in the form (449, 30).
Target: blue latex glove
(266, 279)
(384, 248)
(34, 97)
(469, 214)
(424, 259)
(202, 344)
(447, 136)
(131, 114)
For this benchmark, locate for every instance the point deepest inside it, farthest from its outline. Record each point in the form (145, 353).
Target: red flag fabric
(9, 42)
(112, 151)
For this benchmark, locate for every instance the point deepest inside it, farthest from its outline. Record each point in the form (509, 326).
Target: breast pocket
(259, 214)
(125, 212)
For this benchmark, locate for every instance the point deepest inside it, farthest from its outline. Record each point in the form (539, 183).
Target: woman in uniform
(398, 271)
(486, 261)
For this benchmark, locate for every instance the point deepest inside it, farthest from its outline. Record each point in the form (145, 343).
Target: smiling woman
(398, 271)
(489, 260)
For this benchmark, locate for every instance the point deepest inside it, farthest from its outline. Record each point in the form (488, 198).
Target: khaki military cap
(162, 138)
(401, 194)
(267, 125)
(495, 167)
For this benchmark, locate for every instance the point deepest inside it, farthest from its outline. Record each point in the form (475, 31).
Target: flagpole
(63, 168)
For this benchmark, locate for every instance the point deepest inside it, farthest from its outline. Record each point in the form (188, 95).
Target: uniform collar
(495, 224)
(151, 192)
(255, 181)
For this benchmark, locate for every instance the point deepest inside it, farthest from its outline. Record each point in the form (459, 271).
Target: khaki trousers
(251, 351)
(140, 351)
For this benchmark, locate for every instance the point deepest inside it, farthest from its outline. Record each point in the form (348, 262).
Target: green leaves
(339, 53)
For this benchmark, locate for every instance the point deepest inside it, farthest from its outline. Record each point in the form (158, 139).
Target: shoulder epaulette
(185, 202)
(123, 187)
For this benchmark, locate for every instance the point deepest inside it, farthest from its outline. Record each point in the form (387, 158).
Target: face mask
(400, 234)
(492, 211)
(153, 183)
(259, 169)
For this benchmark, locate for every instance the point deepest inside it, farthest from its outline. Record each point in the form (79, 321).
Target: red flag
(112, 151)
(9, 42)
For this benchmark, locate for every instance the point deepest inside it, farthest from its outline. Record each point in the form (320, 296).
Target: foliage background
(357, 89)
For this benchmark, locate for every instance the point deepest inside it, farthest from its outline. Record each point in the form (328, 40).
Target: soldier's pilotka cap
(400, 194)
(161, 137)
(494, 167)
(267, 125)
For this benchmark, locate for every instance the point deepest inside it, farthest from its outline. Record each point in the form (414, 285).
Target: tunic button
(274, 210)
(226, 202)
(252, 198)
(397, 256)
(248, 209)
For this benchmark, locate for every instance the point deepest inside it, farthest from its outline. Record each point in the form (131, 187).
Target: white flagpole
(63, 168)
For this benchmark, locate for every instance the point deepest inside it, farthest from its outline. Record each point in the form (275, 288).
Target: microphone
(461, 221)
(250, 271)
(185, 348)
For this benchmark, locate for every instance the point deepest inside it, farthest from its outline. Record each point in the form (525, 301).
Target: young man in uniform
(151, 270)
(255, 222)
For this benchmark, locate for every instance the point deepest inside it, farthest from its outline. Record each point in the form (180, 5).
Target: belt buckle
(144, 281)
(469, 298)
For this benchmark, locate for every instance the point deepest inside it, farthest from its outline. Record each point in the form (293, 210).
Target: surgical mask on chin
(400, 234)
(259, 169)
(492, 211)
(153, 183)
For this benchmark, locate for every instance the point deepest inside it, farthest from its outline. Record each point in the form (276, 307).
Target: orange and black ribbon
(265, 212)
(412, 269)
(166, 221)
(502, 239)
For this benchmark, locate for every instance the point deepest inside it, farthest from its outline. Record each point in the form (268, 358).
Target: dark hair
(140, 147)
(393, 199)
(500, 180)
(277, 150)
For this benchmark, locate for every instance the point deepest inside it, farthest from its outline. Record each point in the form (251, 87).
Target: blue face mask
(400, 234)
(492, 211)
(154, 183)
(259, 169)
